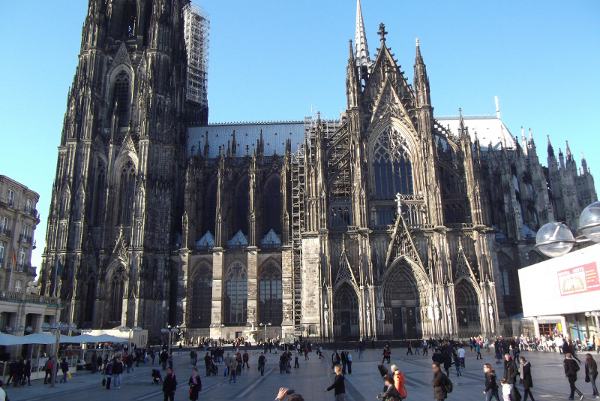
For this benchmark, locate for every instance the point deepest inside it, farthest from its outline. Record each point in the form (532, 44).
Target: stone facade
(386, 223)
(22, 309)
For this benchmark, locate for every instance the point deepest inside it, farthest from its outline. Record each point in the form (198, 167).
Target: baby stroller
(156, 377)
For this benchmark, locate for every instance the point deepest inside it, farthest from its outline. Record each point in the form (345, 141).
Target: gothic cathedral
(386, 223)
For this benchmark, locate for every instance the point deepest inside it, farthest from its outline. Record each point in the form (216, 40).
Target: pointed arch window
(121, 98)
(271, 210)
(126, 193)
(241, 206)
(117, 289)
(236, 295)
(270, 296)
(201, 298)
(392, 168)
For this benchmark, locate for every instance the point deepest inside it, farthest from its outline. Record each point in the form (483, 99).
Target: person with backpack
(48, 369)
(491, 386)
(442, 386)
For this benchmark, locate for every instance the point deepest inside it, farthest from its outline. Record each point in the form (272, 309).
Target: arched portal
(402, 303)
(467, 309)
(200, 305)
(345, 313)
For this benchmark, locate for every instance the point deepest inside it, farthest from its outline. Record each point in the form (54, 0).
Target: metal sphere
(554, 239)
(589, 222)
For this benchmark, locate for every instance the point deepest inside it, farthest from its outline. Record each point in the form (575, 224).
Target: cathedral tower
(116, 201)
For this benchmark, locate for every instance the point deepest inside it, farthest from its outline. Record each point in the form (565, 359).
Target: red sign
(584, 278)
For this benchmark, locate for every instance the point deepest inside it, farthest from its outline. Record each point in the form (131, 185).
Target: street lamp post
(170, 330)
(56, 328)
(265, 325)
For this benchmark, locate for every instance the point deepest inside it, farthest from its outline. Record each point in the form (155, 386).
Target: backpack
(448, 385)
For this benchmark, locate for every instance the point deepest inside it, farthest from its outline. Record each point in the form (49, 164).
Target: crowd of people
(514, 382)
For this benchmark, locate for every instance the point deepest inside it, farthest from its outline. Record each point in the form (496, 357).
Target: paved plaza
(310, 380)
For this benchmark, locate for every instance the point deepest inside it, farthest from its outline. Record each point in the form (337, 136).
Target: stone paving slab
(310, 380)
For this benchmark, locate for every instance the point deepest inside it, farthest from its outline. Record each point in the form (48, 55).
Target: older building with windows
(21, 309)
(385, 223)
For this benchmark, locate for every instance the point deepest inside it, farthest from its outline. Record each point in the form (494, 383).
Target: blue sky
(275, 59)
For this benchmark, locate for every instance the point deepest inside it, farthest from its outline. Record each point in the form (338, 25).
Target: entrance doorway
(345, 313)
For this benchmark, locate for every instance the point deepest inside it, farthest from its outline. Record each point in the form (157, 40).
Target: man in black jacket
(338, 385)
(571, 369)
(510, 374)
(169, 385)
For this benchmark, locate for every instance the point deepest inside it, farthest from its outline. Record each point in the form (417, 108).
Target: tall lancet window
(117, 289)
(121, 98)
(392, 168)
(236, 295)
(126, 193)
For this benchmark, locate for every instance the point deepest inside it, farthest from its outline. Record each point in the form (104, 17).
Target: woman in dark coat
(571, 369)
(440, 383)
(591, 373)
(526, 378)
(169, 385)
(195, 385)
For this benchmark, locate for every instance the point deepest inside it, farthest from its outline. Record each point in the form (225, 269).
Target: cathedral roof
(274, 134)
(487, 129)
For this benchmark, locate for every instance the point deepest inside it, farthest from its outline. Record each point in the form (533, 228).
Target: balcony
(25, 239)
(6, 232)
(20, 297)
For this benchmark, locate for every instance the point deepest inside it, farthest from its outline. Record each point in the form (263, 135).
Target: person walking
(461, 355)
(591, 373)
(233, 370)
(425, 347)
(338, 386)
(349, 362)
(526, 379)
(245, 359)
(440, 383)
(27, 373)
(390, 393)
(409, 347)
(510, 374)
(48, 370)
(118, 369)
(108, 372)
(195, 384)
(169, 385)
(491, 387)
(571, 368)
(261, 363)
(478, 350)
(64, 367)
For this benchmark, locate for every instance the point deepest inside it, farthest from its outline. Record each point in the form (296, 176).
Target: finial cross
(382, 32)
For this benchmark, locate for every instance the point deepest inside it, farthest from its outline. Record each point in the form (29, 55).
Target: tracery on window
(236, 294)
(391, 167)
(270, 296)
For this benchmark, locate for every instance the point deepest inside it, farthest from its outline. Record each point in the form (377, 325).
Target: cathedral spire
(360, 39)
(421, 80)
(568, 152)
(550, 148)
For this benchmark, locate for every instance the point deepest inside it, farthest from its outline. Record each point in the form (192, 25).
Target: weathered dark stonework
(387, 223)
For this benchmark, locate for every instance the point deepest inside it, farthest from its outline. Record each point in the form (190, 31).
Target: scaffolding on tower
(196, 33)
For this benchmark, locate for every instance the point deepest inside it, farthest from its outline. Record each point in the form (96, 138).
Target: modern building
(388, 222)
(562, 295)
(21, 309)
